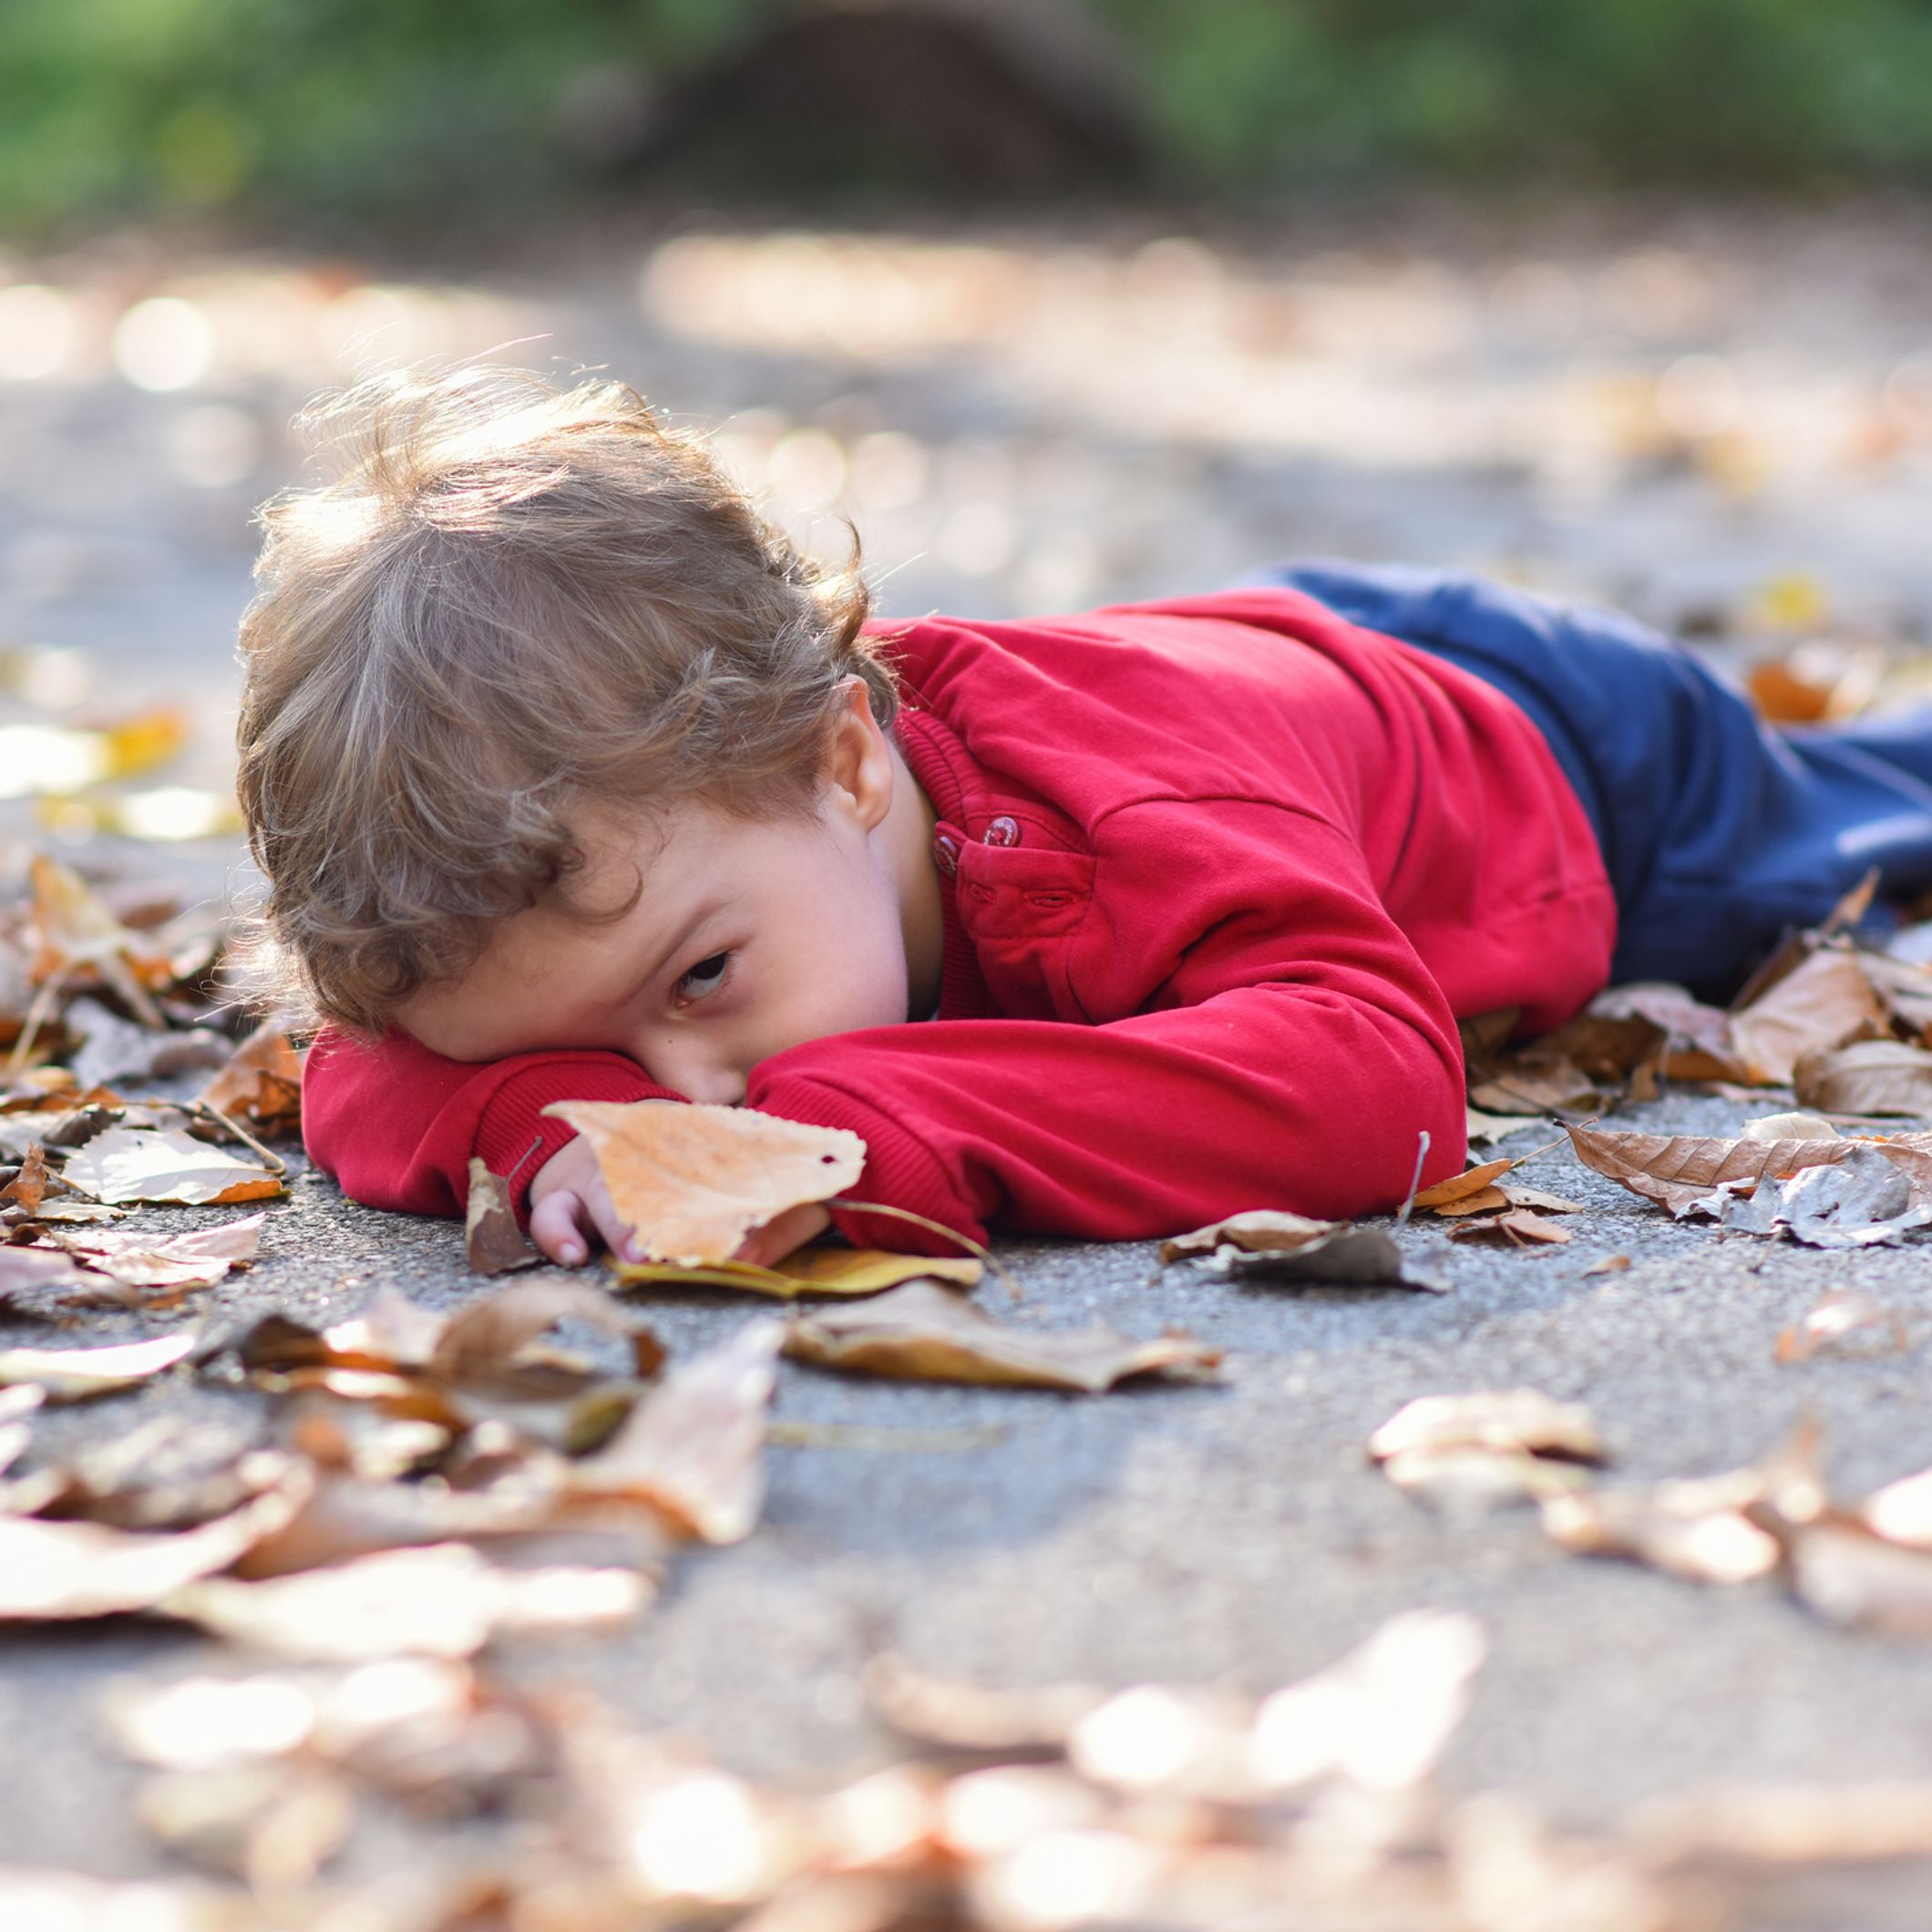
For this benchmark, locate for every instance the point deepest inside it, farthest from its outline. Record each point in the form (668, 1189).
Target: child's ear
(859, 760)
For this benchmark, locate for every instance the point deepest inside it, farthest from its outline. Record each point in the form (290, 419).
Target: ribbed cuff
(514, 1138)
(899, 1172)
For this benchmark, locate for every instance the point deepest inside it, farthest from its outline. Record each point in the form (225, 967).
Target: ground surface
(1719, 418)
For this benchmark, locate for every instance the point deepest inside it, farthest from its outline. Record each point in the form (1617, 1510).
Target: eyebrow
(709, 910)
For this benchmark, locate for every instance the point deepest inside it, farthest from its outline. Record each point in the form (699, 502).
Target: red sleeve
(1287, 1050)
(1281, 1045)
(396, 1124)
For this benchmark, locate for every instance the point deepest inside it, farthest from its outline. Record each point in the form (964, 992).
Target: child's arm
(1281, 1045)
(396, 1124)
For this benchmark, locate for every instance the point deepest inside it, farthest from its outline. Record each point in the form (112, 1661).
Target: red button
(1003, 831)
(946, 853)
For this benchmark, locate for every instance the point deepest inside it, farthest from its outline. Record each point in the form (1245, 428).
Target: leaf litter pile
(428, 1486)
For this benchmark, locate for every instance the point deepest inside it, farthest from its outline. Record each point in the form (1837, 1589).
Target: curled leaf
(694, 1180)
(923, 1332)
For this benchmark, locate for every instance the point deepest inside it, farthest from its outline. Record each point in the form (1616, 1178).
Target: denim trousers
(1719, 832)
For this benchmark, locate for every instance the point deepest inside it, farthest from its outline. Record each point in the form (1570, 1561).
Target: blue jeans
(1719, 832)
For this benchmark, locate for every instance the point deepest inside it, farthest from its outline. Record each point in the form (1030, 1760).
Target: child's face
(745, 938)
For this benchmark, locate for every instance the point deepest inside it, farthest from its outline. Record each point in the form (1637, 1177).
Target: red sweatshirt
(1219, 877)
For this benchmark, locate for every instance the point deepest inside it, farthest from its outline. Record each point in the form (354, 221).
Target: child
(570, 779)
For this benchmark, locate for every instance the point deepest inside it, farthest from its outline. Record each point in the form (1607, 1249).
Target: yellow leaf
(693, 1180)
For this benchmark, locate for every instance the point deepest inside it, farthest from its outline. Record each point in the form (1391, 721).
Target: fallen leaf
(30, 1188)
(1790, 1126)
(1860, 1201)
(1847, 1321)
(1519, 1227)
(1486, 1127)
(1484, 1200)
(111, 1049)
(1684, 1021)
(1610, 1265)
(1459, 1186)
(444, 1600)
(1273, 1245)
(1678, 1171)
(493, 1243)
(1696, 1529)
(1481, 1479)
(923, 1332)
(138, 1163)
(808, 1271)
(75, 1374)
(29, 1274)
(694, 1447)
(73, 929)
(141, 1258)
(1519, 1196)
(274, 1827)
(1841, 1569)
(261, 1082)
(693, 1180)
(1824, 1002)
(1869, 1076)
(59, 1570)
(1542, 1085)
(1260, 1230)
(1904, 989)
(1511, 1419)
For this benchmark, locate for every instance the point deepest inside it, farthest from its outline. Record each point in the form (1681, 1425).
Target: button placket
(1003, 831)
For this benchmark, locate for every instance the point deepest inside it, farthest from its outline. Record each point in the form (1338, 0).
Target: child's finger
(618, 1235)
(556, 1227)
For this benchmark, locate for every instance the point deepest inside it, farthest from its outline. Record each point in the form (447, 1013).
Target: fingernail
(633, 1249)
(573, 1254)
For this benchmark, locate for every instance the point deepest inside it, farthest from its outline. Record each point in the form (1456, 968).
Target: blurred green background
(408, 108)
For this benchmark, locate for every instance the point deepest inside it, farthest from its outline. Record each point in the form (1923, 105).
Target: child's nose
(718, 1086)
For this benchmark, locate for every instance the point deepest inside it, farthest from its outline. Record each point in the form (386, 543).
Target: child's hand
(569, 1206)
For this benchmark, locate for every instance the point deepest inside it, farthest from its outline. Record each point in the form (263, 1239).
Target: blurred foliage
(416, 106)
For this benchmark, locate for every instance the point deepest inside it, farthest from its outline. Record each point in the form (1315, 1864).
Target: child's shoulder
(1245, 693)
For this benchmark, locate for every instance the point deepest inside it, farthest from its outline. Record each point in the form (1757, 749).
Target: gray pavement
(1702, 414)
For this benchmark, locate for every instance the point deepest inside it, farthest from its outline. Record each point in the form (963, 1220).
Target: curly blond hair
(511, 600)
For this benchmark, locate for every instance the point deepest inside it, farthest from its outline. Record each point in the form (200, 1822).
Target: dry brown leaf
(1904, 989)
(74, 931)
(30, 1188)
(1505, 1419)
(1484, 1127)
(1610, 1265)
(1679, 1170)
(1846, 1573)
(149, 1260)
(493, 1243)
(30, 1274)
(1519, 1227)
(694, 1448)
(75, 1374)
(1459, 1186)
(1685, 1020)
(923, 1332)
(1847, 1322)
(260, 1083)
(113, 1049)
(694, 1180)
(1484, 1200)
(809, 1271)
(1518, 1195)
(1869, 1076)
(1270, 1244)
(57, 1570)
(444, 1600)
(141, 1164)
(1696, 1529)
(1538, 1085)
(1824, 1002)
(273, 1825)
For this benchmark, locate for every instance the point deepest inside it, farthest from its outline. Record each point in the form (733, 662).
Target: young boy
(570, 779)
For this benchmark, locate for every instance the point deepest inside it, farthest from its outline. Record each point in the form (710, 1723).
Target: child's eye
(704, 977)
